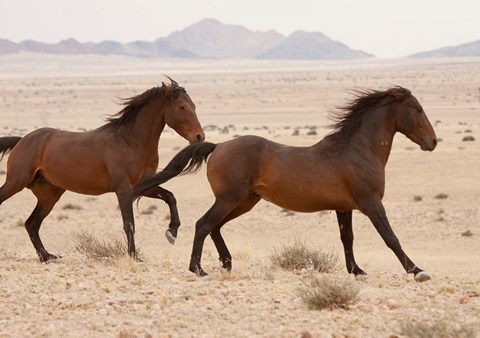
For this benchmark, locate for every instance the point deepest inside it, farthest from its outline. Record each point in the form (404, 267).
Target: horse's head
(411, 119)
(180, 113)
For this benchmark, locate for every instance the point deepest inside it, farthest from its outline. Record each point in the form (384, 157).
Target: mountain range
(466, 49)
(208, 38)
(211, 39)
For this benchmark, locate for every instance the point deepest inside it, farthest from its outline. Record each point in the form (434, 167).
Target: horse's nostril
(435, 142)
(200, 137)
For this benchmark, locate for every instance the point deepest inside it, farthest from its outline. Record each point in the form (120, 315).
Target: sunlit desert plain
(432, 201)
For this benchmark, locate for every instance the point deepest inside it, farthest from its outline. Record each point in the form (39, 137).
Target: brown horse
(111, 158)
(343, 172)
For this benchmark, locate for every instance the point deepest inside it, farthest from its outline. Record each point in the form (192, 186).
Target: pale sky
(381, 27)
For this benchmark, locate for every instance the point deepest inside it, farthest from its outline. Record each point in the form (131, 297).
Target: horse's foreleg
(169, 199)
(346, 234)
(377, 215)
(125, 202)
(47, 196)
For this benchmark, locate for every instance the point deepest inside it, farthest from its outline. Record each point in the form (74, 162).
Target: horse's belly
(78, 181)
(308, 199)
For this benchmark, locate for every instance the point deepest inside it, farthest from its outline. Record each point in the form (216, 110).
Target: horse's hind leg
(169, 198)
(346, 234)
(204, 226)
(47, 196)
(224, 255)
(18, 177)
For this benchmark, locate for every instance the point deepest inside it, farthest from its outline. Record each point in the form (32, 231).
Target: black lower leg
(379, 219)
(224, 255)
(169, 199)
(346, 235)
(32, 225)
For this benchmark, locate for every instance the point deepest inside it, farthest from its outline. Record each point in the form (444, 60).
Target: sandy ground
(80, 297)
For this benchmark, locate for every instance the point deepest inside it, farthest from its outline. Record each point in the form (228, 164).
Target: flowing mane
(134, 105)
(348, 117)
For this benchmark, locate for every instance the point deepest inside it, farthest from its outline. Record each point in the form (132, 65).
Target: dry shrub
(70, 206)
(298, 257)
(330, 292)
(440, 328)
(418, 198)
(149, 210)
(93, 248)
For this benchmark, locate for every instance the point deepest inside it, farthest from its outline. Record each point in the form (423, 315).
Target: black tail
(7, 143)
(187, 161)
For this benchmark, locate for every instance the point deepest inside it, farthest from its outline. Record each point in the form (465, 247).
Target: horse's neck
(145, 132)
(375, 136)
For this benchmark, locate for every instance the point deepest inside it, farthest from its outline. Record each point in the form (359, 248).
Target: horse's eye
(181, 108)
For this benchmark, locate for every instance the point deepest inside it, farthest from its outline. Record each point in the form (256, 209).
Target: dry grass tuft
(440, 328)
(298, 257)
(70, 206)
(330, 292)
(93, 248)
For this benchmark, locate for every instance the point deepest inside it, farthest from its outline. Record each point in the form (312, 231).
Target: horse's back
(70, 160)
(297, 178)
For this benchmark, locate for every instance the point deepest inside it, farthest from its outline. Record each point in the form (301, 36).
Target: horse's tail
(7, 143)
(187, 161)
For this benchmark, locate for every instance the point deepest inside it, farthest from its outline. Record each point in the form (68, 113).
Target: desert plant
(70, 206)
(149, 210)
(330, 292)
(468, 138)
(91, 247)
(440, 328)
(418, 198)
(299, 256)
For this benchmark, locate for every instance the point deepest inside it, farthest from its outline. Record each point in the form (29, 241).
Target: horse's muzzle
(429, 145)
(198, 138)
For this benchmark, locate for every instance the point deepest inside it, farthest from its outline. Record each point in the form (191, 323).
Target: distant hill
(302, 45)
(213, 39)
(466, 49)
(208, 38)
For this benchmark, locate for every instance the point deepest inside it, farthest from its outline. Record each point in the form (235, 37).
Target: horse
(111, 158)
(343, 172)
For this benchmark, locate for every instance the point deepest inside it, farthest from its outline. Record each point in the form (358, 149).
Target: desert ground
(431, 199)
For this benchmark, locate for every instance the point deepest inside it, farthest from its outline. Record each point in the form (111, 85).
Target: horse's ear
(398, 92)
(172, 81)
(165, 87)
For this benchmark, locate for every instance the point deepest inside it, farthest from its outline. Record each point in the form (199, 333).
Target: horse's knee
(202, 230)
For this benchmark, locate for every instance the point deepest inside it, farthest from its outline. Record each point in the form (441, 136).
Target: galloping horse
(111, 158)
(342, 172)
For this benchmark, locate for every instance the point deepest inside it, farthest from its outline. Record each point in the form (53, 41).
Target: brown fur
(342, 172)
(111, 158)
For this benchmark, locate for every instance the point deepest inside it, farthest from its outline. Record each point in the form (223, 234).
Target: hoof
(422, 276)
(170, 237)
(198, 271)
(48, 258)
(361, 278)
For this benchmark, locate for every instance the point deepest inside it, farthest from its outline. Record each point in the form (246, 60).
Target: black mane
(134, 105)
(348, 117)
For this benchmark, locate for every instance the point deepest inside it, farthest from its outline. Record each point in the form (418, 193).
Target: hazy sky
(381, 27)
